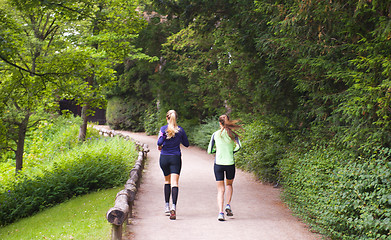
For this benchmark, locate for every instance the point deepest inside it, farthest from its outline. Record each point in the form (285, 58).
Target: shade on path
(258, 211)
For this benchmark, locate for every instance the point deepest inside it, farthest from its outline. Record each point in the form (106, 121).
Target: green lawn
(80, 218)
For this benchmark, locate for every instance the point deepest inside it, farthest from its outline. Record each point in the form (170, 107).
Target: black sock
(174, 195)
(167, 192)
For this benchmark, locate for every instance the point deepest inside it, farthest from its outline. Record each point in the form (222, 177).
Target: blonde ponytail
(172, 128)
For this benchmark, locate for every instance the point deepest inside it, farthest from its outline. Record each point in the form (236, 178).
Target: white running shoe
(167, 210)
(221, 217)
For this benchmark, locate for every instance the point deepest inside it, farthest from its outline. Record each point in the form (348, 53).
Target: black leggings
(170, 164)
(229, 171)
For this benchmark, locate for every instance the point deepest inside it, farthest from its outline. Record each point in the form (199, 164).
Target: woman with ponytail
(225, 142)
(170, 138)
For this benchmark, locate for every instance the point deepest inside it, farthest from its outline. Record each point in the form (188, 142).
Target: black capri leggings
(229, 171)
(170, 164)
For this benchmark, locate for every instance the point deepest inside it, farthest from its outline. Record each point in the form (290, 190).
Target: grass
(79, 218)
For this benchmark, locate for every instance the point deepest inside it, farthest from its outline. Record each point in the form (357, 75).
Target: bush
(125, 114)
(98, 164)
(306, 176)
(359, 200)
(263, 146)
(341, 196)
(151, 123)
(58, 167)
(200, 134)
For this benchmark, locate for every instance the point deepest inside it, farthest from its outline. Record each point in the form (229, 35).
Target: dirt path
(258, 210)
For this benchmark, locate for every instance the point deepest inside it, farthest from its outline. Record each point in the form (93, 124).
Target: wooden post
(116, 232)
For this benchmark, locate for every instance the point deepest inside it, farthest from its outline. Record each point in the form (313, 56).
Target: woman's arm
(162, 138)
(211, 147)
(184, 141)
(238, 145)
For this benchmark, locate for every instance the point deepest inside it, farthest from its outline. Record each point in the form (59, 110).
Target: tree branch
(44, 26)
(27, 70)
(51, 39)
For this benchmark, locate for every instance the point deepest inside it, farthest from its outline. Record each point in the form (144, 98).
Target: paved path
(258, 210)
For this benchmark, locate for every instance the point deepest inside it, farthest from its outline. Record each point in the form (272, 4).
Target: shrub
(151, 125)
(341, 196)
(263, 146)
(200, 134)
(306, 175)
(98, 164)
(58, 167)
(125, 114)
(359, 199)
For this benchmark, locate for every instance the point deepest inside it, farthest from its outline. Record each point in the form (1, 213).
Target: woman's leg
(220, 195)
(174, 192)
(174, 179)
(230, 179)
(219, 176)
(175, 189)
(229, 190)
(167, 193)
(175, 169)
(167, 189)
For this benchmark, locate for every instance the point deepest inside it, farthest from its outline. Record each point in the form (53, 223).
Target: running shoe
(228, 210)
(221, 217)
(167, 210)
(172, 214)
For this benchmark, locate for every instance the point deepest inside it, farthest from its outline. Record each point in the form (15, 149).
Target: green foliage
(200, 134)
(341, 196)
(306, 176)
(301, 71)
(124, 114)
(151, 121)
(263, 146)
(78, 218)
(359, 200)
(58, 172)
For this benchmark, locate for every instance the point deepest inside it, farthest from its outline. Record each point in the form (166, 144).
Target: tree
(30, 83)
(47, 53)
(109, 30)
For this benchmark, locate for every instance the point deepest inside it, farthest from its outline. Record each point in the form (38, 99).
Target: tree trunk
(83, 126)
(20, 144)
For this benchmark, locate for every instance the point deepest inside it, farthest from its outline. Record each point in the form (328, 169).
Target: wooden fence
(121, 212)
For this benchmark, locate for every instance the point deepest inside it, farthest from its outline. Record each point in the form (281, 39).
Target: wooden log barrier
(119, 213)
(122, 210)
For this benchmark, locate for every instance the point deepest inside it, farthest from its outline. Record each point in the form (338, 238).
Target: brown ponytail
(230, 126)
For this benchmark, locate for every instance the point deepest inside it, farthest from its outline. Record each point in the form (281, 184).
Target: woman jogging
(224, 143)
(170, 138)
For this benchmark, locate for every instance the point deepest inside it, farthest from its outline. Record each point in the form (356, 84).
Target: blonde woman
(224, 142)
(170, 138)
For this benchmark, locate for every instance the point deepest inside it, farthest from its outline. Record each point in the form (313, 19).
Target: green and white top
(224, 147)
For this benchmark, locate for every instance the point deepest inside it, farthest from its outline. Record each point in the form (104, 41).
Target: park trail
(258, 210)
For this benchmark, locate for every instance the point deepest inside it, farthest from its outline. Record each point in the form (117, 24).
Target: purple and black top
(172, 146)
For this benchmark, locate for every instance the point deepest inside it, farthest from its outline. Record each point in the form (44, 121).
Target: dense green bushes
(96, 164)
(200, 134)
(151, 126)
(125, 113)
(263, 147)
(359, 200)
(341, 196)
